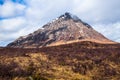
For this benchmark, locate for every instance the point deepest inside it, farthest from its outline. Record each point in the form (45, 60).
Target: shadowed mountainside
(84, 60)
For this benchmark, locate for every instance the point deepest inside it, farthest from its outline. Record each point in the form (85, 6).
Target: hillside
(83, 60)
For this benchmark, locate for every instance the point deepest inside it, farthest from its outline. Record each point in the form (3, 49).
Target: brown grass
(76, 61)
(76, 41)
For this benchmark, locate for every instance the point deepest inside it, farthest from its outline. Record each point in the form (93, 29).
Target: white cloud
(98, 11)
(10, 9)
(12, 24)
(84, 6)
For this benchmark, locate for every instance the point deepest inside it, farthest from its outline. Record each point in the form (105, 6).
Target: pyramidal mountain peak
(67, 27)
(68, 15)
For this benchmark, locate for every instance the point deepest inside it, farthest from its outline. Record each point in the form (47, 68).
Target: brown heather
(83, 60)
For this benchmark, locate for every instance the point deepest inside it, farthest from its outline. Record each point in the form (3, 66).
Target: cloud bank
(21, 17)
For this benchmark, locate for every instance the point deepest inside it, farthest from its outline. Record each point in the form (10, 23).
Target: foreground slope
(67, 27)
(84, 60)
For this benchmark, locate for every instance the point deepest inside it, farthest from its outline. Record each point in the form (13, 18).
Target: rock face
(64, 28)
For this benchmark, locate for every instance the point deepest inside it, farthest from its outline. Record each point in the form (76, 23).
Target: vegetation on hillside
(76, 61)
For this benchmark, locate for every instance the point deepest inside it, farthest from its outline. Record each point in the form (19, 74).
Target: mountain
(67, 27)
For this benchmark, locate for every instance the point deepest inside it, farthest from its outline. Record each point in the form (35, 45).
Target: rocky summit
(66, 27)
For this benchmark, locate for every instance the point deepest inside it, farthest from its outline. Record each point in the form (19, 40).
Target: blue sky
(21, 17)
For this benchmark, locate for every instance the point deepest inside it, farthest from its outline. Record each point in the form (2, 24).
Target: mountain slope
(67, 27)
